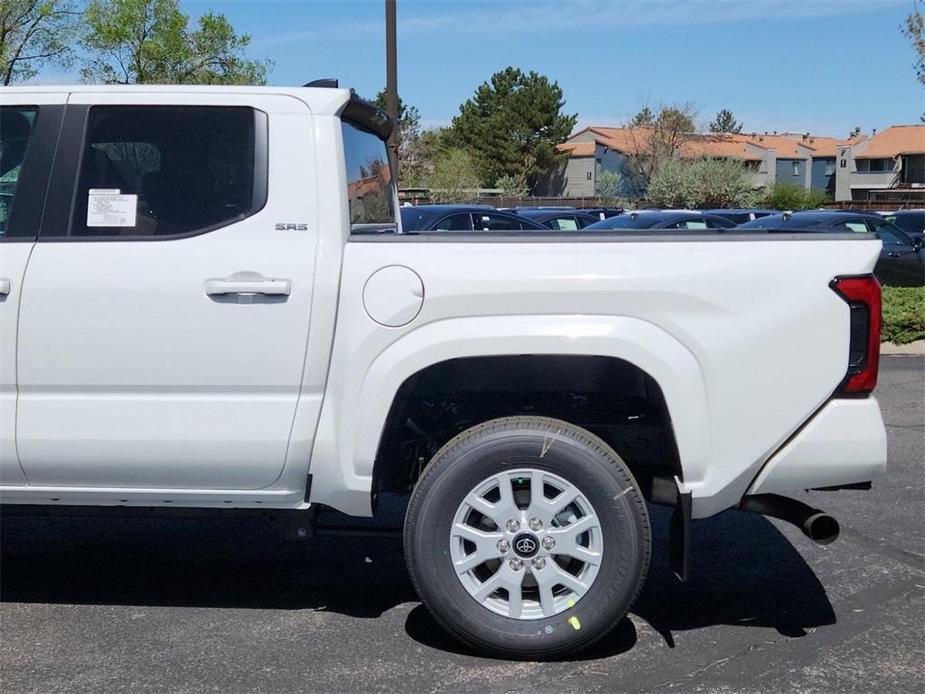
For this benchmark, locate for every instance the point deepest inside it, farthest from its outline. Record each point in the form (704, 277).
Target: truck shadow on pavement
(744, 572)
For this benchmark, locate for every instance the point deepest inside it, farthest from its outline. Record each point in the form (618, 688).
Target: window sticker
(107, 207)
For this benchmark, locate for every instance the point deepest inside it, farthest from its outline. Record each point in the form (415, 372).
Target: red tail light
(862, 295)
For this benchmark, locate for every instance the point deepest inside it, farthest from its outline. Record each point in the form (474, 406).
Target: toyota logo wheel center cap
(525, 545)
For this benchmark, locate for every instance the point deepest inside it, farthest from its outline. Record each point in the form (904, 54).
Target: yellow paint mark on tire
(576, 625)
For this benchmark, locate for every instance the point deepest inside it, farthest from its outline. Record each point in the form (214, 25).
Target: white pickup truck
(206, 300)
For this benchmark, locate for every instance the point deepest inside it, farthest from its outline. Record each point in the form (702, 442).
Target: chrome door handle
(4, 286)
(248, 283)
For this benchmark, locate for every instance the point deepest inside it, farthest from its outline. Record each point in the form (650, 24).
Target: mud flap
(680, 536)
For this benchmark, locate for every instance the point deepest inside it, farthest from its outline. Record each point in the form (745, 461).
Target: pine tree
(512, 125)
(725, 122)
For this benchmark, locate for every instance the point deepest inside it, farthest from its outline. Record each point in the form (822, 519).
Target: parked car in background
(902, 259)
(740, 215)
(560, 219)
(662, 220)
(603, 212)
(910, 221)
(462, 218)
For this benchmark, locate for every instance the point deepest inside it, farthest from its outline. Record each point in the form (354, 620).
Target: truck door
(167, 302)
(29, 125)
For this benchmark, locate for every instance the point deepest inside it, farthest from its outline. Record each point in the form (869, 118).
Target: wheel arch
(355, 423)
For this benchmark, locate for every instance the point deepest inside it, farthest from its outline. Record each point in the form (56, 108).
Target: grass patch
(903, 314)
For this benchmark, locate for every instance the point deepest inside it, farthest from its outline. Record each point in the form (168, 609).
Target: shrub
(512, 186)
(903, 314)
(455, 176)
(789, 196)
(703, 183)
(608, 184)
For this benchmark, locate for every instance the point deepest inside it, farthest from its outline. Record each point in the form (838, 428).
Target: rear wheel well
(610, 397)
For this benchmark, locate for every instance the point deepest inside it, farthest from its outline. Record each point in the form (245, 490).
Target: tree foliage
(454, 176)
(409, 141)
(607, 184)
(790, 196)
(512, 186)
(643, 117)
(702, 183)
(512, 125)
(914, 30)
(34, 33)
(657, 138)
(151, 42)
(725, 122)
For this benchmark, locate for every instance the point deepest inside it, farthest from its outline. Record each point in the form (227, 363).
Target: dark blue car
(462, 218)
(562, 219)
(665, 219)
(910, 221)
(741, 215)
(902, 259)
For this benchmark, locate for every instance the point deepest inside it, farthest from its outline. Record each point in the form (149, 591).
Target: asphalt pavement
(226, 605)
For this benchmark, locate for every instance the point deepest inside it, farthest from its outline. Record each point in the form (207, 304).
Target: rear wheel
(527, 537)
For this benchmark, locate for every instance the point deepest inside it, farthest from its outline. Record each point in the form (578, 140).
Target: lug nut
(536, 524)
(549, 542)
(513, 526)
(503, 545)
(539, 562)
(517, 564)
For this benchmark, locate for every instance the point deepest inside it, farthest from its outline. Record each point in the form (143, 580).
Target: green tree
(512, 125)
(659, 140)
(409, 137)
(643, 117)
(607, 184)
(702, 183)
(678, 117)
(512, 186)
(725, 122)
(455, 174)
(34, 33)
(151, 42)
(428, 149)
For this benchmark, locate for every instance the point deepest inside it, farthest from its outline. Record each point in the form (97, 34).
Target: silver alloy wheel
(526, 544)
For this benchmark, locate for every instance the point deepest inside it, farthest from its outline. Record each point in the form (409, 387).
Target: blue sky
(820, 65)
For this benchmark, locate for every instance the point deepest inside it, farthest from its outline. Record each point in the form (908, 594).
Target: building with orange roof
(888, 166)
(806, 160)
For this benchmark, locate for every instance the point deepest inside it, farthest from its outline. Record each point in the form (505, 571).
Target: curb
(913, 348)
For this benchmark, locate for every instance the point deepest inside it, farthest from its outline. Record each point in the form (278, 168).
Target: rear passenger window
(492, 222)
(166, 170)
(15, 128)
(455, 222)
(370, 190)
(564, 224)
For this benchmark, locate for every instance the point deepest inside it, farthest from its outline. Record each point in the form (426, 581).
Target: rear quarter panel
(744, 336)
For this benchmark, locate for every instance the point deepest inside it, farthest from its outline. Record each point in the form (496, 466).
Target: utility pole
(391, 77)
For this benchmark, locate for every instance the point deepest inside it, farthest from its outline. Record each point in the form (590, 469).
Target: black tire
(548, 445)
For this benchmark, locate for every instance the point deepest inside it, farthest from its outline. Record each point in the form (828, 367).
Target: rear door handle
(246, 283)
(4, 286)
